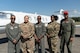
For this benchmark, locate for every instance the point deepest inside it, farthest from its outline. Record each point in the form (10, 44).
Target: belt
(52, 36)
(66, 30)
(29, 38)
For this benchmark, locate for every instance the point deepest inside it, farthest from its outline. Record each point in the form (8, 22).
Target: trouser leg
(42, 45)
(31, 45)
(11, 47)
(54, 42)
(18, 47)
(37, 47)
(23, 47)
(62, 44)
(69, 47)
(49, 44)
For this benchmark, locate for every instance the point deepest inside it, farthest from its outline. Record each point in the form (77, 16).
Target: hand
(60, 37)
(38, 40)
(41, 37)
(48, 36)
(14, 41)
(71, 39)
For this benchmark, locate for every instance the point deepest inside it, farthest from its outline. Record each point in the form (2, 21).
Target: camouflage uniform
(27, 39)
(13, 32)
(52, 31)
(66, 32)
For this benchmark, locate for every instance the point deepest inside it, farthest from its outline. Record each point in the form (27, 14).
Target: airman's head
(65, 13)
(26, 18)
(39, 19)
(13, 18)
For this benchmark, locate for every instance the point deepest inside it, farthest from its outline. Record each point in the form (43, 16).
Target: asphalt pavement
(75, 46)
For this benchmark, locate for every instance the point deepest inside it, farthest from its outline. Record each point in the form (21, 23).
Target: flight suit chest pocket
(66, 24)
(13, 28)
(38, 26)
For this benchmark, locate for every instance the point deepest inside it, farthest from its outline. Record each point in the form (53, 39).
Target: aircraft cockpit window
(46, 19)
(43, 19)
(30, 18)
(3, 16)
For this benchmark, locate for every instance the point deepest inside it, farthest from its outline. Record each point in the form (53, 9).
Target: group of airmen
(29, 38)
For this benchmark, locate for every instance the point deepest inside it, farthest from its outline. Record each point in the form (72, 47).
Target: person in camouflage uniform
(52, 34)
(66, 32)
(27, 38)
(13, 33)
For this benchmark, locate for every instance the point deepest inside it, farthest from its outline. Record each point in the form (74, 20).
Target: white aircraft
(5, 17)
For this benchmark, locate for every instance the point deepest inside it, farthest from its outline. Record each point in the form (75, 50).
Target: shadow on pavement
(3, 40)
(77, 35)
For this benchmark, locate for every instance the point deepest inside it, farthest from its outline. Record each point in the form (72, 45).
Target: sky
(44, 7)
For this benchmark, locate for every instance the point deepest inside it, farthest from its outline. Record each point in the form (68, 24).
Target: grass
(77, 23)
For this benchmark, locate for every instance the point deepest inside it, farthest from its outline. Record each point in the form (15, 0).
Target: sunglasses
(13, 18)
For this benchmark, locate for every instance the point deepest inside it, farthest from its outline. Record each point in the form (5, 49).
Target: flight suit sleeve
(43, 30)
(19, 34)
(8, 34)
(72, 28)
(60, 31)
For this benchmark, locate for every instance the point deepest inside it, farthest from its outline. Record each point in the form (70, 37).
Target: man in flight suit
(13, 34)
(66, 33)
(40, 31)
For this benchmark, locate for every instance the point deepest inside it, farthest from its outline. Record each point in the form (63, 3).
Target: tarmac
(75, 46)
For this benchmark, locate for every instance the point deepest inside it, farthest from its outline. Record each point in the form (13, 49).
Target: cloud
(74, 13)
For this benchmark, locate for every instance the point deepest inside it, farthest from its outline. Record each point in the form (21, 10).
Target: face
(26, 19)
(52, 18)
(12, 19)
(39, 18)
(65, 16)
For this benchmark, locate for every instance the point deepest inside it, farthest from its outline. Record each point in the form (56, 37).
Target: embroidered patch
(11, 28)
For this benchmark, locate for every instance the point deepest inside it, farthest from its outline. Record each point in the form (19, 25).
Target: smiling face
(26, 19)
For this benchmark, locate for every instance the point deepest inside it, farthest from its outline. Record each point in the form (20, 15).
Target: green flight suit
(66, 32)
(40, 30)
(13, 32)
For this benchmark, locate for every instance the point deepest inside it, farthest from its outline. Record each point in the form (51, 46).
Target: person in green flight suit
(66, 33)
(13, 33)
(40, 31)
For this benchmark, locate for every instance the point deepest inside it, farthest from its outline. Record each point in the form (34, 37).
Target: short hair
(52, 15)
(55, 17)
(26, 16)
(39, 16)
(12, 15)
